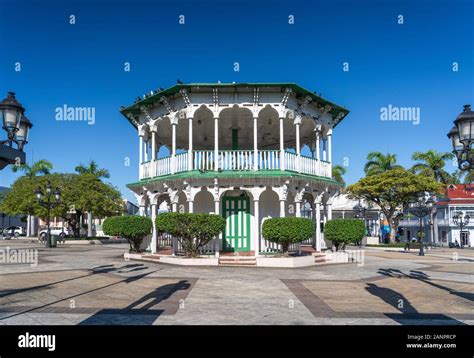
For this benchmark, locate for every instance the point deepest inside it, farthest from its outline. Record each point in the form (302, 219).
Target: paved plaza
(93, 284)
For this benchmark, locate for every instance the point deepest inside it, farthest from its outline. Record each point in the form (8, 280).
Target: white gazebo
(246, 151)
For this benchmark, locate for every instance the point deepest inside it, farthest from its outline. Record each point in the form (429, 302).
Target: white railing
(235, 160)
(268, 159)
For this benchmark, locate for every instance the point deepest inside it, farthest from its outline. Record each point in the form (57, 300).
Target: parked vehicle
(454, 245)
(62, 232)
(14, 231)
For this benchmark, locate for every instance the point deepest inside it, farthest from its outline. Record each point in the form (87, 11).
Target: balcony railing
(235, 160)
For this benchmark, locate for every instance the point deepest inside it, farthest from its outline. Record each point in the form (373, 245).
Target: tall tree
(40, 167)
(392, 191)
(79, 194)
(431, 163)
(92, 168)
(337, 173)
(37, 168)
(469, 178)
(378, 163)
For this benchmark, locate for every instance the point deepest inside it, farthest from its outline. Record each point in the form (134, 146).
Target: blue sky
(409, 65)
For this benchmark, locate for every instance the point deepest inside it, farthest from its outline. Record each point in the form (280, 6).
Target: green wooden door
(236, 211)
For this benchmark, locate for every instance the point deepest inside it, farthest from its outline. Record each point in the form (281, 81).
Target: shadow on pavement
(142, 311)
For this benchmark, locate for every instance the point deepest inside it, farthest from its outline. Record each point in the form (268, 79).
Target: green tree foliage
(133, 228)
(338, 172)
(431, 163)
(392, 190)
(93, 168)
(79, 193)
(288, 230)
(193, 230)
(37, 168)
(343, 231)
(379, 163)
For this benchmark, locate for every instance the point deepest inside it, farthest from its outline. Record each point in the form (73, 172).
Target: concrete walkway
(93, 284)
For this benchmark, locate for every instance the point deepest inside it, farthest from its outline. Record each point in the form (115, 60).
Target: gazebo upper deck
(244, 126)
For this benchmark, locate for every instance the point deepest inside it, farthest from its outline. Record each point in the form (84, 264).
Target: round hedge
(133, 228)
(193, 230)
(343, 231)
(286, 231)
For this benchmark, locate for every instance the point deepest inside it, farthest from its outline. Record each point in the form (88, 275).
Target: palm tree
(379, 163)
(469, 178)
(92, 168)
(457, 177)
(337, 173)
(41, 167)
(431, 163)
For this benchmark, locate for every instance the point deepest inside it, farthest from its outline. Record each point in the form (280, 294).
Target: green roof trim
(196, 174)
(134, 109)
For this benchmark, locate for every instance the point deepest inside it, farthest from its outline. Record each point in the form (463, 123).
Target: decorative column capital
(142, 130)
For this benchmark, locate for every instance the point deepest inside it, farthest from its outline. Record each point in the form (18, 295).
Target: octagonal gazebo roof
(134, 109)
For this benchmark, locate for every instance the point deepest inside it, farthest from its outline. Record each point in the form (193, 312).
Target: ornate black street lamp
(420, 207)
(462, 221)
(48, 204)
(17, 127)
(361, 213)
(462, 137)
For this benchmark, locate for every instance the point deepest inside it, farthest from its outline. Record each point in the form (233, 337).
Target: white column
(318, 146)
(324, 149)
(190, 146)
(173, 148)
(330, 151)
(154, 236)
(217, 212)
(141, 210)
(140, 151)
(298, 148)
(256, 215)
(255, 145)
(153, 145)
(174, 208)
(282, 208)
(216, 143)
(298, 208)
(282, 146)
(329, 210)
(146, 149)
(190, 206)
(318, 225)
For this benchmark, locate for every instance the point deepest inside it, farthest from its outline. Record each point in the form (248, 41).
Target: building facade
(245, 151)
(440, 227)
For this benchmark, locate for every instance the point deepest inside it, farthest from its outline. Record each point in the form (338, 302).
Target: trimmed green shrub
(133, 228)
(343, 231)
(193, 230)
(286, 231)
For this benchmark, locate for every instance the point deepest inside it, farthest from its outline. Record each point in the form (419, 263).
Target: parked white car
(14, 231)
(62, 232)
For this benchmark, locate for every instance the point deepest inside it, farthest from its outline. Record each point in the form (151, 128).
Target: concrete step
(318, 257)
(237, 261)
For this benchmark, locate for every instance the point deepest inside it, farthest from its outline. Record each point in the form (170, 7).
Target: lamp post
(462, 137)
(48, 204)
(17, 127)
(361, 214)
(420, 207)
(462, 221)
